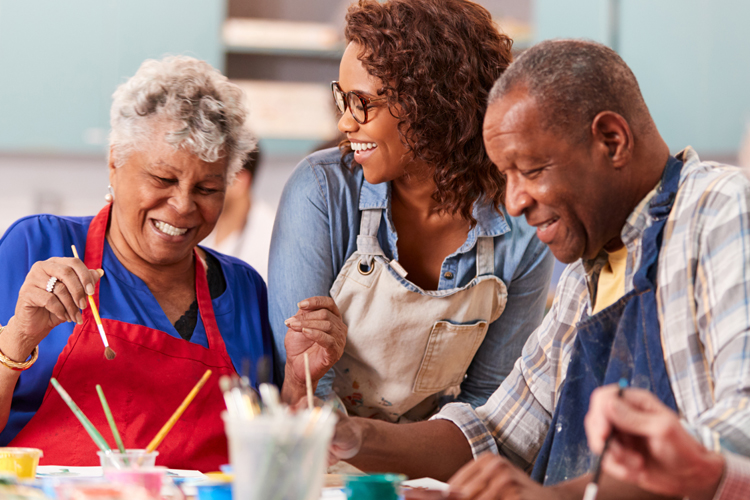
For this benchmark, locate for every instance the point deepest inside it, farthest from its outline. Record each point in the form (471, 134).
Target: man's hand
(650, 448)
(491, 477)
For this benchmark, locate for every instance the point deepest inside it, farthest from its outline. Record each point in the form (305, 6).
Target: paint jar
(129, 459)
(148, 478)
(281, 456)
(373, 486)
(21, 462)
(214, 491)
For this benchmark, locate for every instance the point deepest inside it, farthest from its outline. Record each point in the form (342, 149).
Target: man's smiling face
(560, 184)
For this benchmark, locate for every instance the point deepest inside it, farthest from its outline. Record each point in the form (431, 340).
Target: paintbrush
(308, 382)
(111, 420)
(177, 414)
(241, 401)
(95, 435)
(225, 384)
(109, 353)
(593, 487)
(269, 393)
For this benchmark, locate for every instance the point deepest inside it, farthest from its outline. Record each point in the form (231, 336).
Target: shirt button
(448, 275)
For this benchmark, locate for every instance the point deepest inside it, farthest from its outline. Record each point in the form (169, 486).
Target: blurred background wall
(61, 61)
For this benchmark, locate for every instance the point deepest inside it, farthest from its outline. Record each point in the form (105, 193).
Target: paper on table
(96, 471)
(426, 482)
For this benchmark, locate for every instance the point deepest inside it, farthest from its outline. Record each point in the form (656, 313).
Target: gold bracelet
(15, 365)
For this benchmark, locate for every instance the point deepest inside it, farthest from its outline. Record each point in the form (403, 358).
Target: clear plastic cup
(149, 478)
(130, 459)
(96, 490)
(21, 462)
(280, 457)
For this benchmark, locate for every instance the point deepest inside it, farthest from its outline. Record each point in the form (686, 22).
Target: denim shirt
(316, 230)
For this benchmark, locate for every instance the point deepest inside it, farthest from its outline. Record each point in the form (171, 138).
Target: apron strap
(659, 210)
(485, 255)
(367, 240)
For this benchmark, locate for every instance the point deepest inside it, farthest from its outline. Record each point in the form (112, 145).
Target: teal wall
(60, 61)
(691, 58)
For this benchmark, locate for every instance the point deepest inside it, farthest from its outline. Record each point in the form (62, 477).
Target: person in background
(651, 447)
(656, 289)
(170, 309)
(246, 223)
(396, 249)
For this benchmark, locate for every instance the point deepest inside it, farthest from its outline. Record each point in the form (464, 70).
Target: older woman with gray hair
(169, 309)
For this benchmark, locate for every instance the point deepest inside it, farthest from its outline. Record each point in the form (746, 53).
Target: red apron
(144, 385)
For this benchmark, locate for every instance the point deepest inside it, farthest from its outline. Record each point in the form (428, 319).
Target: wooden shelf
(283, 38)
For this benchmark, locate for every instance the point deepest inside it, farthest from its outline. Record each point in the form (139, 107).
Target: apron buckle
(368, 268)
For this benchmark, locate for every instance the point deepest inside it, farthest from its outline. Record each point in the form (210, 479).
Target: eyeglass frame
(363, 99)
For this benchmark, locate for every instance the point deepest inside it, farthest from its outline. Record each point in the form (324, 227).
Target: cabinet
(61, 61)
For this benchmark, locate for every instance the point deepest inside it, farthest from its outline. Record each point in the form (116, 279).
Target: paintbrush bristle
(225, 383)
(109, 353)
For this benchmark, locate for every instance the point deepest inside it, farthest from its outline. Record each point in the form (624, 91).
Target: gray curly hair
(207, 109)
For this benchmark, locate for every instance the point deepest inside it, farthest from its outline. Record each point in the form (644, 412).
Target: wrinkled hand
(347, 439)
(491, 477)
(650, 447)
(39, 311)
(319, 330)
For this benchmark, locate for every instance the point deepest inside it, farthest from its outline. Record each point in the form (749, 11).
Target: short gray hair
(572, 81)
(207, 110)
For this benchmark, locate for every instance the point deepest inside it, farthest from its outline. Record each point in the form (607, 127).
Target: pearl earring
(109, 197)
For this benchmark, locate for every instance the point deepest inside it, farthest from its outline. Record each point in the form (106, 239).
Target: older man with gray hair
(656, 293)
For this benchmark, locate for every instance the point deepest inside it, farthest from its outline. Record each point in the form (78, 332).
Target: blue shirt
(316, 230)
(241, 311)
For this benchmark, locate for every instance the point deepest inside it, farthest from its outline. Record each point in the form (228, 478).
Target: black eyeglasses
(356, 102)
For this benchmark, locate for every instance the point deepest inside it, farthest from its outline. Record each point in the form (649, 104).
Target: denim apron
(621, 341)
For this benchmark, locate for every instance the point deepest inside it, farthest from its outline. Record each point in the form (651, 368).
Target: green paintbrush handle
(98, 439)
(110, 419)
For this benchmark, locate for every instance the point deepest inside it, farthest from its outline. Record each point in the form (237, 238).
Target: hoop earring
(110, 196)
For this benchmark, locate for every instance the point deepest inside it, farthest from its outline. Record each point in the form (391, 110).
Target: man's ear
(613, 137)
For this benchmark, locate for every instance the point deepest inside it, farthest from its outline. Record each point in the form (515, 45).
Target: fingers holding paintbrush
(593, 487)
(109, 353)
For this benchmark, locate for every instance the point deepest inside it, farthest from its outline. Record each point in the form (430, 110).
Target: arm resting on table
(435, 448)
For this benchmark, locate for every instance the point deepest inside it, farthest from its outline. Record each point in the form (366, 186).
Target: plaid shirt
(703, 300)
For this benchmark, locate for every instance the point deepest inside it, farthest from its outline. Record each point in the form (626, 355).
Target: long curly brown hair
(438, 60)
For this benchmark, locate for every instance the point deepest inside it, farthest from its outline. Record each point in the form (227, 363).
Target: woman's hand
(318, 330)
(347, 439)
(650, 447)
(39, 311)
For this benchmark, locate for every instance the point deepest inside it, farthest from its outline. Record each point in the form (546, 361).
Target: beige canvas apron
(406, 347)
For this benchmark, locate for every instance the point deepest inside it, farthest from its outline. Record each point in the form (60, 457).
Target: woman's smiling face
(377, 144)
(166, 200)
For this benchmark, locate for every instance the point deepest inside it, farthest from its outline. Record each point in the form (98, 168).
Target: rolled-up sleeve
(515, 420)
(524, 310)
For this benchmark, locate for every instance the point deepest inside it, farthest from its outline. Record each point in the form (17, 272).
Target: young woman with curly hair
(396, 250)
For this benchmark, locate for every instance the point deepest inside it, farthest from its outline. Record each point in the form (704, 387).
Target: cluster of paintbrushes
(99, 439)
(276, 454)
(244, 402)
